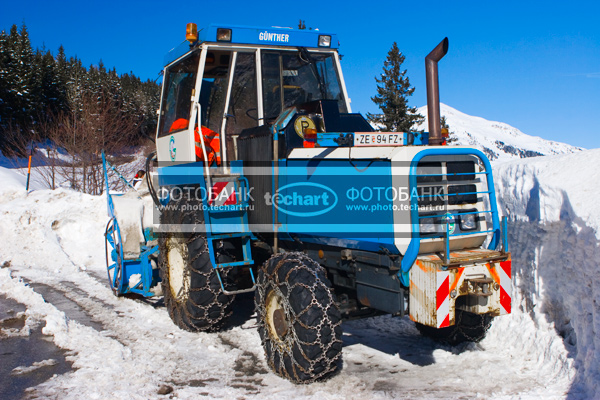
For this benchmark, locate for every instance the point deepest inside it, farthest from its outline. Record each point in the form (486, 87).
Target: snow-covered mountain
(499, 141)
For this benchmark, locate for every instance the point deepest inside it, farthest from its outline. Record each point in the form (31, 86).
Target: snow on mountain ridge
(498, 140)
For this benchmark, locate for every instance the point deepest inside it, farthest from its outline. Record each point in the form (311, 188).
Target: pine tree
(51, 90)
(4, 82)
(75, 86)
(112, 85)
(18, 87)
(11, 76)
(27, 79)
(38, 91)
(62, 77)
(393, 90)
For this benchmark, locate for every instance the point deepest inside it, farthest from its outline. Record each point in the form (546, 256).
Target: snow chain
(480, 329)
(292, 346)
(200, 298)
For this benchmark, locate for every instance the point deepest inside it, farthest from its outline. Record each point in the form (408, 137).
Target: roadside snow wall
(553, 205)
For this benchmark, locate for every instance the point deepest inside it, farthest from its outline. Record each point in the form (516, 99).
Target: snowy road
(52, 249)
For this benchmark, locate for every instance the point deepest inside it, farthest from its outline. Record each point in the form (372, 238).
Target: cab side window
(180, 80)
(243, 112)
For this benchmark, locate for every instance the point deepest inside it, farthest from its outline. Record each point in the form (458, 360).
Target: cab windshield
(229, 88)
(291, 78)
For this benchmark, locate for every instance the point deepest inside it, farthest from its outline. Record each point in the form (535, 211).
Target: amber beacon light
(191, 32)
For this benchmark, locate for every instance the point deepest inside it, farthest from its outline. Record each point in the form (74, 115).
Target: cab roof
(255, 36)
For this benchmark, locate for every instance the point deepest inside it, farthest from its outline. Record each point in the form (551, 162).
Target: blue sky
(533, 65)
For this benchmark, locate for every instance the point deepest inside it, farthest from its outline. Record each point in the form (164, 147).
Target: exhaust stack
(433, 91)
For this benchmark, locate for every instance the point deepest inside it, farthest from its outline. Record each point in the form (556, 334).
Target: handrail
(415, 243)
(441, 235)
(451, 194)
(109, 201)
(454, 174)
(453, 214)
(119, 175)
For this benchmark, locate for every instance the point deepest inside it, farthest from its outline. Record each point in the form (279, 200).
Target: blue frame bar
(505, 233)
(453, 214)
(439, 236)
(449, 194)
(455, 174)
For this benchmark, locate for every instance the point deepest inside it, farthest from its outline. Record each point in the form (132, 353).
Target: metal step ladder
(226, 217)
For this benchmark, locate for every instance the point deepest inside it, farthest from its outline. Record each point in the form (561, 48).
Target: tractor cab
(231, 79)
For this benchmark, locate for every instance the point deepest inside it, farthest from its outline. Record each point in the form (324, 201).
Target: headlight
(223, 35)
(428, 226)
(468, 222)
(324, 41)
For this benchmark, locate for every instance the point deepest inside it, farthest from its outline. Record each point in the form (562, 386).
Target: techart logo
(172, 149)
(303, 199)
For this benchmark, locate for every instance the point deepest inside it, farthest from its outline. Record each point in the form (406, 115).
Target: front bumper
(477, 281)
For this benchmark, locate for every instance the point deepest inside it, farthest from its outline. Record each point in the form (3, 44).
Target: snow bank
(11, 180)
(14, 181)
(554, 233)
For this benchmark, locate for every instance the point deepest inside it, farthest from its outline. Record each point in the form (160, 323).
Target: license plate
(378, 139)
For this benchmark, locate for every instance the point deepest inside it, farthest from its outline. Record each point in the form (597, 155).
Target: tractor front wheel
(298, 320)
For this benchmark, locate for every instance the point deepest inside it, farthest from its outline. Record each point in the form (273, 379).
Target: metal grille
(450, 203)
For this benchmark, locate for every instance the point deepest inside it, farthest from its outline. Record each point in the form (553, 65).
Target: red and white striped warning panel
(443, 299)
(222, 194)
(504, 273)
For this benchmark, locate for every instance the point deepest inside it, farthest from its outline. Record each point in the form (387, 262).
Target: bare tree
(77, 138)
(83, 132)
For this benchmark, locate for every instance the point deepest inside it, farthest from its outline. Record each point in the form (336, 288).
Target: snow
(555, 224)
(40, 157)
(134, 279)
(17, 332)
(11, 180)
(35, 366)
(498, 140)
(58, 167)
(548, 347)
(568, 191)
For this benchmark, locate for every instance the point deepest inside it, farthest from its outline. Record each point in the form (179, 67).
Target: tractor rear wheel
(191, 288)
(468, 327)
(298, 320)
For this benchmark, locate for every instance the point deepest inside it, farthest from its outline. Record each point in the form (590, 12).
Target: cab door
(228, 95)
(173, 141)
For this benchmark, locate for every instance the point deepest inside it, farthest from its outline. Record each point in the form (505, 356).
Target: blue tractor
(264, 181)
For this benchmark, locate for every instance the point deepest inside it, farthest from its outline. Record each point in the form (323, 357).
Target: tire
(112, 240)
(469, 327)
(298, 320)
(190, 285)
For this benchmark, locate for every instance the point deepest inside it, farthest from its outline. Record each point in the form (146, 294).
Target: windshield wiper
(307, 58)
